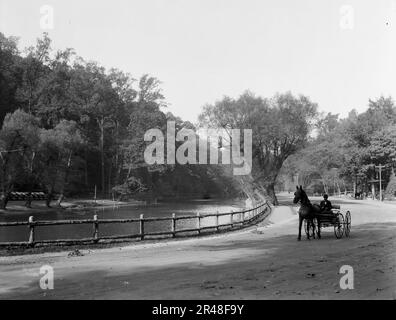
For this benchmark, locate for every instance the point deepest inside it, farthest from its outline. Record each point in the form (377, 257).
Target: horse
(307, 211)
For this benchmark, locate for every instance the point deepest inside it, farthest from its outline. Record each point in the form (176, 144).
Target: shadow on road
(276, 268)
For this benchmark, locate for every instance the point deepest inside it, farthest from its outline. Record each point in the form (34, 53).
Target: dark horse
(307, 211)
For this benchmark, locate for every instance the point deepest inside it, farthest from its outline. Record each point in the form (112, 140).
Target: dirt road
(264, 262)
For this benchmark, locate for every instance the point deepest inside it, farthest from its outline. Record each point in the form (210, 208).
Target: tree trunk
(3, 200)
(338, 189)
(110, 173)
(270, 189)
(86, 167)
(60, 199)
(28, 203)
(118, 174)
(62, 192)
(102, 155)
(324, 184)
(48, 200)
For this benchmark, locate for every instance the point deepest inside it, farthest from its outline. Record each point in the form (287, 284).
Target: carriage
(340, 222)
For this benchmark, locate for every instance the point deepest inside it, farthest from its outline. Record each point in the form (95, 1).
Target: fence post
(232, 219)
(141, 226)
(199, 222)
(173, 225)
(96, 228)
(217, 220)
(243, 217)
(31, 230)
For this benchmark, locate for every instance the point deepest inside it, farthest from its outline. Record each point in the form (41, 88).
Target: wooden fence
(246, 218)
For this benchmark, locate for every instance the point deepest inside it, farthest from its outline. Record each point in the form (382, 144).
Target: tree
(344, 149)
(99, 107)
(9, 74)
(35, 66)
(144, 114)
(280, 127)
(327, 124)
(58, 146)
(390, 191)
(19, 141)
(383, 145)
(55, 101)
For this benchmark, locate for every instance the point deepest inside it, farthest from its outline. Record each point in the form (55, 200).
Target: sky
(339, 53)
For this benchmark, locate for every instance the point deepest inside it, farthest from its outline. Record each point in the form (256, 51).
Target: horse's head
(299, 195)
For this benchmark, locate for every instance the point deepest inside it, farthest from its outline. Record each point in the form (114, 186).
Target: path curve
(264, 262)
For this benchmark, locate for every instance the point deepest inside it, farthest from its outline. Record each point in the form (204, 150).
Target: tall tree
(280, 127)
(58, 147)
(10, 74)
(19, 141)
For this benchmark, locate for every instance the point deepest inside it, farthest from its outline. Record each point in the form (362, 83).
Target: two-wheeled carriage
(336, 219)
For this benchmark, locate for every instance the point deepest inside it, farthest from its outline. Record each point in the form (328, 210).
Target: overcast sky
(204, 49)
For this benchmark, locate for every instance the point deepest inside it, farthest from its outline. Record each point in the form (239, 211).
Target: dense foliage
(345, 155)
(69, 125)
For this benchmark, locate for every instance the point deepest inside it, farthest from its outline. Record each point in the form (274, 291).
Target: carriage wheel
(347, 223)
(339, 226)
(309, 228)
(317, 227)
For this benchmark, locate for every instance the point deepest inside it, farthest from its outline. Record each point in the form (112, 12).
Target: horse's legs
(299, 228)
(313, 228)
(308, 227)
(318, 220)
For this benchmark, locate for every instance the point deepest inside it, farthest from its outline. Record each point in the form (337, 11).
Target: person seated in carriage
(325, 205)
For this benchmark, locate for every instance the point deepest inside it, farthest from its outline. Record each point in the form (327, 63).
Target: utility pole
(380, 179)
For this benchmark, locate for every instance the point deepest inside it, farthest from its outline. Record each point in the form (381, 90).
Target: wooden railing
(246, 218)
